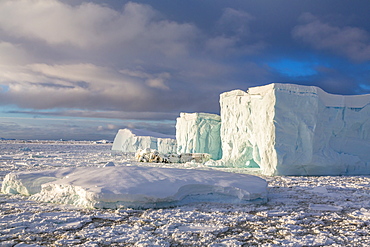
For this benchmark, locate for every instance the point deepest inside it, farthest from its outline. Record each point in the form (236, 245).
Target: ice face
(247, 130)
(296, 130)
(138, 187)
(131, 140)
(29, 183)
(328, 134)
(199, 133)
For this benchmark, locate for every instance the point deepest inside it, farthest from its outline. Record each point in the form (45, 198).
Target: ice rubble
(199, 133)
(153, 156)
(290, 129)
(136, 187)
(131, 140)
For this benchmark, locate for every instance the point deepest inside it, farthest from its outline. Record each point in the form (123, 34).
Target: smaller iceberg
(136, 187)
(131, 140)
(199, 133)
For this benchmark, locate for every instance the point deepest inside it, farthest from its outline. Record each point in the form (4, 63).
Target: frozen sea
(301, 211)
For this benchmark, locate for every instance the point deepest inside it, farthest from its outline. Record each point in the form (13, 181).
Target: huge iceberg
(290, 129)
(131, 140)
(135, 187)
(199, 133)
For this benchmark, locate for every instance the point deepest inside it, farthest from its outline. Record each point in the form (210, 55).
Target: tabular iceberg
(290, 129)
(131, 140)
(136, 187)
(199, 133)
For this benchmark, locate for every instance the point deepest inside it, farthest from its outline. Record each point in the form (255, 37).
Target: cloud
(234, 23)
(91, 56)
(233, 35)
(91, 25)
(100, 114)
(352, 42)
(45, 86)
(152, 80)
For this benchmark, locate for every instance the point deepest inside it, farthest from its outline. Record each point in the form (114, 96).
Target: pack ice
(131, 140)
(135, 187)
(199, 133)
(290, 129)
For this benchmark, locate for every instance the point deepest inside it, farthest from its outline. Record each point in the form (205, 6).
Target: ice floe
(136, 187)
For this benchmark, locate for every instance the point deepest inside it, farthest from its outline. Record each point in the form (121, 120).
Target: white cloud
(352, 42)
(89, 25)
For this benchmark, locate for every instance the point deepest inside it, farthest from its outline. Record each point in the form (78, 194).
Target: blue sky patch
(294, 68)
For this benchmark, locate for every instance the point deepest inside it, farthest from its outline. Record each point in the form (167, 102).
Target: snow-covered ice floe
(288, 129)
(131, 140)
(136, 187)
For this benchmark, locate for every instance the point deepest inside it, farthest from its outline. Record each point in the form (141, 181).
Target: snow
(135, 187)
(130, 140)
(300, 211)
(199, 133)
(290, 129)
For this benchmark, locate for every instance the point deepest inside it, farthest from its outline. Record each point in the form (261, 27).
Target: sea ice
(199, 133)
(131, 140)
(136, 187)
(290, 129)
(29, 183)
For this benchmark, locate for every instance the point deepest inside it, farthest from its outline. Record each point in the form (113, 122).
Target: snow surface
(131, 140)
(301, 211)
(199, 133)
(290, 129)
(136, 187)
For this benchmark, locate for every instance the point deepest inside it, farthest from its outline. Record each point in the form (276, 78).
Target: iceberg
(131, 140)
(199, 133)
(287, 129)
(136, 187)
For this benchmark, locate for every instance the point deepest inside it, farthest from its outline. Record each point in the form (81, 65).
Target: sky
(81, 70)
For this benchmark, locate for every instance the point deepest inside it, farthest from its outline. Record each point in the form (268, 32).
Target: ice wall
(321, 134)
(130, 140)
(247, 130)
(289, 129)
(199, 133)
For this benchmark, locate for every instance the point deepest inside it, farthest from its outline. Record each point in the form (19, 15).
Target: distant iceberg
(136, 187)
(131, 140)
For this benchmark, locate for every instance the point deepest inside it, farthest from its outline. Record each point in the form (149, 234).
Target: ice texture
(199, 133)
(131, 140)
(29, 183)
(137, 187)
(290, 129)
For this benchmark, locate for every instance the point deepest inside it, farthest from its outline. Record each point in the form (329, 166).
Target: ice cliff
(131, 140)
(199, 133)
(290, 129)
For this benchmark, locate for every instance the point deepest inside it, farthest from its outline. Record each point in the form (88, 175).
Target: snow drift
(136, 187)
(289, 129)
(199, 133)
(131, 140)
